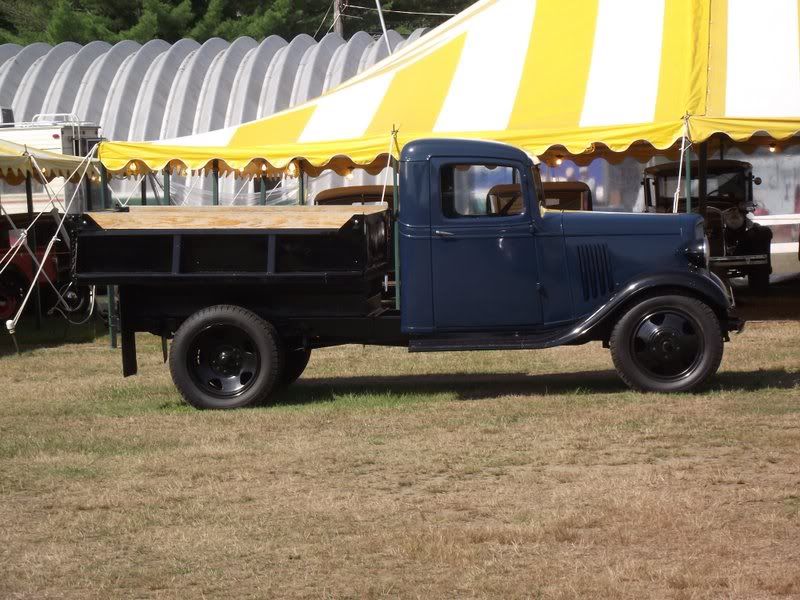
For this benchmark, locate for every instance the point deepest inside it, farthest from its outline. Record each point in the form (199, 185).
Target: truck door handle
(443, 233)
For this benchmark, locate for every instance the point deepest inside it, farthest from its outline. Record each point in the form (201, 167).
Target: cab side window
(481, 191)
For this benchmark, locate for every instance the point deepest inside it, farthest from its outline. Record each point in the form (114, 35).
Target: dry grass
(528, 474)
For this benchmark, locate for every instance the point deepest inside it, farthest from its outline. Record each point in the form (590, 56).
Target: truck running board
(508, 341)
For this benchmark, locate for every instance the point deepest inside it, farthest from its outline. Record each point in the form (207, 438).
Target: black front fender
(700, 284)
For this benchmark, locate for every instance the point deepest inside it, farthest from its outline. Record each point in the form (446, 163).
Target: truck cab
(468, 259)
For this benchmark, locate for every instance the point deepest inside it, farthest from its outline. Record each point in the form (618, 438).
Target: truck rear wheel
(667, 344)
(295, 362)
(225, 357)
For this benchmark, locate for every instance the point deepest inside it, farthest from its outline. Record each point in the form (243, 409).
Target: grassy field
(519, 475)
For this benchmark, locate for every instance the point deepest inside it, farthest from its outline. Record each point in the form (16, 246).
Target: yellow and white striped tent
(583, 76)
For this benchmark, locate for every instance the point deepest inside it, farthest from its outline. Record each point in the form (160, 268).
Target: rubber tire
(264, 337)
(295, 362)
(758, 281)
(641, 381)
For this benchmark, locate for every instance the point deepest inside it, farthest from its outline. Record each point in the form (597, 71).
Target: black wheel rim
(667, 344)
(223, 360)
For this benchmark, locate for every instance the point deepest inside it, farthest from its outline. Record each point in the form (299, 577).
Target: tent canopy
(578, 77)
(17, 162)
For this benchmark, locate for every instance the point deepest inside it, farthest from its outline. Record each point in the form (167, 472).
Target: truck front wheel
(225, 357)
(667, 344)
(295, 362)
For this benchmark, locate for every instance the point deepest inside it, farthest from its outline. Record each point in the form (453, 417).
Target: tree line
(82, 21)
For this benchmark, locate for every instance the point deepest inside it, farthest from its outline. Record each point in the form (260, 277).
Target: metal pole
(103, 187)
(702, 175)
(144, 190)
(396, 232)
(338, 26)
(112, 316)
(88, 192)
(301, 184)
(262, 193)
(383, 26)
(688, 180)
(167, 199)
(215, 183)
(32, 237)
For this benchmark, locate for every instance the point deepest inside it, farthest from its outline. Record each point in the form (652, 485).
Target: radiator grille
(597, 277)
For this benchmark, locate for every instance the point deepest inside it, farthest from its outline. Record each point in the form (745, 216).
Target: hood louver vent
(597, 277)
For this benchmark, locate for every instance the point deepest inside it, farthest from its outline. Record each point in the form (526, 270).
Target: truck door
(482, 245)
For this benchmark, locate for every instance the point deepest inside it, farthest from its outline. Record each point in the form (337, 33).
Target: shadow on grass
(487, 386)
(54, 332)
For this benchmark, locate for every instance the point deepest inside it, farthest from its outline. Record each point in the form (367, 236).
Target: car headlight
(734, 219)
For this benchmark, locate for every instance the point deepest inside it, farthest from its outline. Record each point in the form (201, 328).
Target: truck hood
(576, 223)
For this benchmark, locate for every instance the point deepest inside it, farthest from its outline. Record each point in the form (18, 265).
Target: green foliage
(28, 21)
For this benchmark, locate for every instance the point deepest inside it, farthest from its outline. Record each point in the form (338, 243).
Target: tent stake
(32, 237)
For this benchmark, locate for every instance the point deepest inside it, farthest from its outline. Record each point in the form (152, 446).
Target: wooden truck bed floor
(231, 217)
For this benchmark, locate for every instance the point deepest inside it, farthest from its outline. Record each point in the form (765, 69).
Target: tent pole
(112, 316)
(32, 237)
(383, 26)
(89, 193)
(103, 187)
(262, 192)
(689, 179)
(702, 176)
(167, 199)
(215, 183)
(396, 233)
(144, 190)
(301, 184)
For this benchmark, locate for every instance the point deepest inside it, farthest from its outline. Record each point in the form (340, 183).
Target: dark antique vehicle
(739, 247)
(470, 262)
(567, 195)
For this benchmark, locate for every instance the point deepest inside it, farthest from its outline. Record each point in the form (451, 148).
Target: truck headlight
(734, 219)
(699, 253)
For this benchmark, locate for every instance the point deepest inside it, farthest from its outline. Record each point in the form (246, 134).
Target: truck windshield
(730, 187)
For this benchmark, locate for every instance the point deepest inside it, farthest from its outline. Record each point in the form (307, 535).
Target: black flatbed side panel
(119, 256)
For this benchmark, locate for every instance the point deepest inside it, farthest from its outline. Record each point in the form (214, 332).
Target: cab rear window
(481, 191)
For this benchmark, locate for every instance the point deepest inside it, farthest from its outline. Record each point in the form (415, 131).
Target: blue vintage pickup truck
(467, 259)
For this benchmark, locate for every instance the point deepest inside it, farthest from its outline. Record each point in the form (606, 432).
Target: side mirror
(757, 180)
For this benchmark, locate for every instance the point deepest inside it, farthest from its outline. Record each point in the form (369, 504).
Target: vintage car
(739, 246)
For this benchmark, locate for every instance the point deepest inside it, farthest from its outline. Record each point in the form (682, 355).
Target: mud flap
(128, 339)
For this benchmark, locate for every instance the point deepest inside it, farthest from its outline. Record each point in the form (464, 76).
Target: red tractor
(18, 273)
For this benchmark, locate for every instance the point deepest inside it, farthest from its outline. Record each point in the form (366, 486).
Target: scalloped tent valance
(17, 162)
(580, 75)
